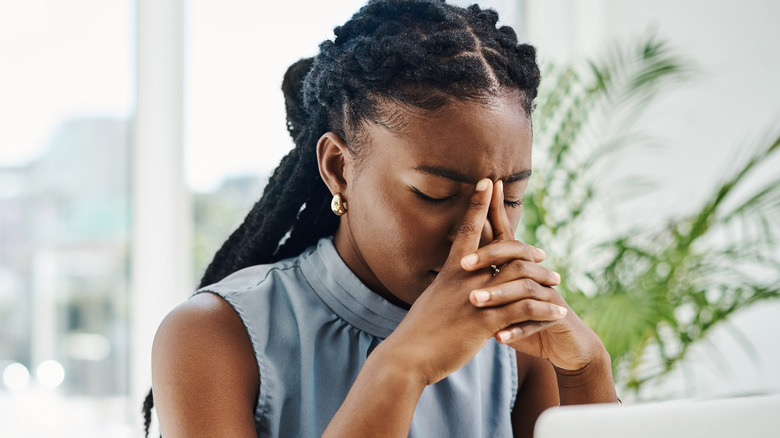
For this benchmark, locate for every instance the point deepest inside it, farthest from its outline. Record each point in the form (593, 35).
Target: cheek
(396, 231)
(380, 216)
(403, 230)
(418, 225)
(401, 215)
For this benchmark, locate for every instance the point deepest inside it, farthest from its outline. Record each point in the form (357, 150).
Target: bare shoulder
(199, 316)
(204, 373)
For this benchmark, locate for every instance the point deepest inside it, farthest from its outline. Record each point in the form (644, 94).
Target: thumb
(469, 232)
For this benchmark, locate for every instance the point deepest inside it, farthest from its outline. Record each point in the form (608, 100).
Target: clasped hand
(469, 301)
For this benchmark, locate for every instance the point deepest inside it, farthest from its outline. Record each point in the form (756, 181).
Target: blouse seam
(325, 289)
(263, 396)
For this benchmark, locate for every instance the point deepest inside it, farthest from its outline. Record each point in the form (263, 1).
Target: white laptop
(739, 417)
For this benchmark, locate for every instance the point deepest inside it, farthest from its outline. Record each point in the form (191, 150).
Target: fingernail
(544, 254)
(500, 185)
(504, 336)
(470, 260)
(482, 185)
(481, 296)
(562, 310)
(557, 276)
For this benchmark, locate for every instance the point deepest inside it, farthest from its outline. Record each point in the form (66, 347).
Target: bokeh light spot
(50, 374)
(16, 376)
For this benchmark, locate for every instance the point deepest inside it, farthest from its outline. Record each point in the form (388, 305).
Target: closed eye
(513, 204)
(430, 199)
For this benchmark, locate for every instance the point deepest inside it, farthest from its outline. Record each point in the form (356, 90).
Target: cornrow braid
(392, 54)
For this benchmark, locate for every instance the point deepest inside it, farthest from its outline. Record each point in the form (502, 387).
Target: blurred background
(134, 136)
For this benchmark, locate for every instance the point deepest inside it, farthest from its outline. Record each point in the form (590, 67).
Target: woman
(376, 289)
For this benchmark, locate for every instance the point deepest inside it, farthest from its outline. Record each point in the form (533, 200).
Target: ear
(334, 160)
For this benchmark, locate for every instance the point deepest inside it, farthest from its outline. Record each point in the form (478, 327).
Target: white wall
(732, 100)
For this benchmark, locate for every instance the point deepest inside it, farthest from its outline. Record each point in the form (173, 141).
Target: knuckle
(527, 306)
(529, 288)
(519, 266)
(466, 228)
(490, 250)
(475, 203)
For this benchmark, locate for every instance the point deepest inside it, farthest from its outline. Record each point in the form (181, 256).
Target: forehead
(476, 139)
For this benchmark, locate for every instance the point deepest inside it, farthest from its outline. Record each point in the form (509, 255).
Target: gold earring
(338, 205)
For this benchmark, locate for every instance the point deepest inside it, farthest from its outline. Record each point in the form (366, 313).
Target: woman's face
(411, 188)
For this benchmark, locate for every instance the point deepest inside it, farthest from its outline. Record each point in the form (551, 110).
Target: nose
(485, 237)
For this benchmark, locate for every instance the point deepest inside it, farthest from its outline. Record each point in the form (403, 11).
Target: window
(67, 90)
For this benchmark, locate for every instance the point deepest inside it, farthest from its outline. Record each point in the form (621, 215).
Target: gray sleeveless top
(312, 324)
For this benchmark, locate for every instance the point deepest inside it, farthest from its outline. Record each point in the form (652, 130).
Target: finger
(522, 330)
(469, 232)
(487, 232)
(506, 293)
(517, 268)
(500, 253)
(501, 318)
(497, 215)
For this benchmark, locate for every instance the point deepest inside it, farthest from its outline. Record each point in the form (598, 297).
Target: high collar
(346, 295)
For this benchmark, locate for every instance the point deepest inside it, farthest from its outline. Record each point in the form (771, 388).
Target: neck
(350, 252)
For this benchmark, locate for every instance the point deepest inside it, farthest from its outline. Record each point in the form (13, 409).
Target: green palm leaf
(650, 293)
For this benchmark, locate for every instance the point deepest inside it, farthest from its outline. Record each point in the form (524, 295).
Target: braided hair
(391, 55)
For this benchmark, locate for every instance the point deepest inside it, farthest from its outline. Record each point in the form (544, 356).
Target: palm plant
(650, 292)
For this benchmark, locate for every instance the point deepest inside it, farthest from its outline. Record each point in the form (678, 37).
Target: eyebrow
(456, 176)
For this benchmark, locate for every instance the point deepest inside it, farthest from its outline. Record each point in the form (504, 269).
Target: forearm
(380, 403)
(591, 384)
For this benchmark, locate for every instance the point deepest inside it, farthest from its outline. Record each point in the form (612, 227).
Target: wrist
(382, 398)
(592, 383)
(599, 359)
(392, 363)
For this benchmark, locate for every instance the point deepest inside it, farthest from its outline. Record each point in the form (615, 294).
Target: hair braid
(259, 237)
(418, 54)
